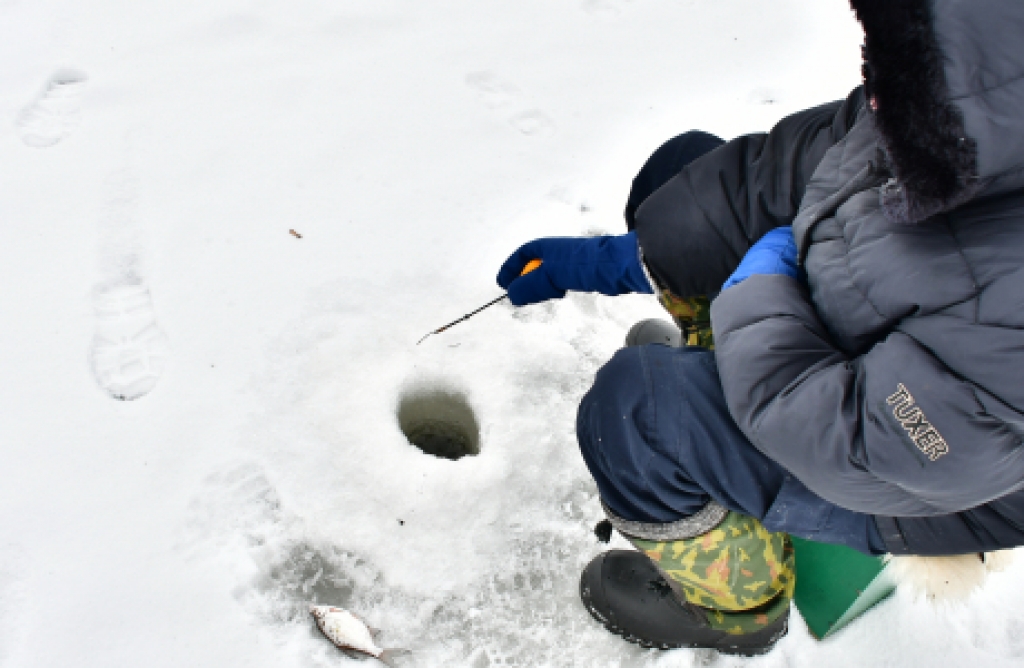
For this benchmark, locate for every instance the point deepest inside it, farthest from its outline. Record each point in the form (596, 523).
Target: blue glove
(774, 253)
(609, 265)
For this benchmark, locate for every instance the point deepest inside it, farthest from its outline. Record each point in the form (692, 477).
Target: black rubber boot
(624, 591)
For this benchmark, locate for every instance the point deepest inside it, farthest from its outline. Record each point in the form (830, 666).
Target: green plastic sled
(836, 584)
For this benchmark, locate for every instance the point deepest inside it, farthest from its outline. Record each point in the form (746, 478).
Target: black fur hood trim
(934, 161)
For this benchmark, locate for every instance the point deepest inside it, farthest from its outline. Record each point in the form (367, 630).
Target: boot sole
(646, 644)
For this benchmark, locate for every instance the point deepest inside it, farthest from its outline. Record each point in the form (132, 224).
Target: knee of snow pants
(658, 438)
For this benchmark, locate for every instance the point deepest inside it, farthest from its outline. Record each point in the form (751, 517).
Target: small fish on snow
(351, 634)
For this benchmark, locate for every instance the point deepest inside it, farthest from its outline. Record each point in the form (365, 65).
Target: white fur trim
(939, 579)
(997, 562)
(947, 579)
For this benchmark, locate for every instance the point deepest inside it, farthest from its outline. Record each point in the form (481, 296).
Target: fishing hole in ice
(438, 420)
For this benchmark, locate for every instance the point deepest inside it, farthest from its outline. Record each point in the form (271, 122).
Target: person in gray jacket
(864, 386)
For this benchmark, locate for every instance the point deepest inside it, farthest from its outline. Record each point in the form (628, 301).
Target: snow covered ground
(157, 158)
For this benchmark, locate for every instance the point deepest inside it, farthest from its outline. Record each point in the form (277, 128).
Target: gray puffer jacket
(893, 383)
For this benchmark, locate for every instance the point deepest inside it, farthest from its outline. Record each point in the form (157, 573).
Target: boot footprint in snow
(55, 113)
(129, 350)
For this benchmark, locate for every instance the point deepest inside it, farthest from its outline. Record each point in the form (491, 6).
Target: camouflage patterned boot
(691, 324)
(717, 580)
(693, 317)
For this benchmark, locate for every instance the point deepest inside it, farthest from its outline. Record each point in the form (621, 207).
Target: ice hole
(439, 421)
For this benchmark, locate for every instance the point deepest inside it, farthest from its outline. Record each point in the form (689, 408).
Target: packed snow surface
(225, 224)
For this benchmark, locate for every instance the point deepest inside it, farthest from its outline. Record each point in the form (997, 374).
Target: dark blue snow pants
(658, 438)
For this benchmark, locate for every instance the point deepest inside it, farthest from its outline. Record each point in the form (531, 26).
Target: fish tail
(388, 656)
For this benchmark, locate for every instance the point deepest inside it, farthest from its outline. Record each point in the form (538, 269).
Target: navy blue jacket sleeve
(695, 229)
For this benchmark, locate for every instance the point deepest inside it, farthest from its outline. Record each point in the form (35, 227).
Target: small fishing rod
(530, 266)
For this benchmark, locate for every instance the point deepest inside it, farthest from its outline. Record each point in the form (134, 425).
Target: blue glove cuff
(774, 253)
(620, 255)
